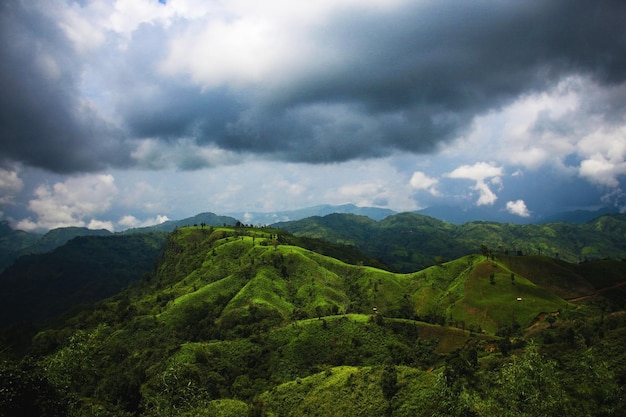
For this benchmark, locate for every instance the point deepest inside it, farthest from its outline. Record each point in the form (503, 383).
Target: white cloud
(421, 181)
(518, 208)
(238, 52)
(602, 171)
(99, 224)
(73, 202)
(605, 156)
(239, 43)
(479, 172)
(84, 25)
(10, 185)
(130, 221)
(567, 128)
(363, 194)
(486, 196)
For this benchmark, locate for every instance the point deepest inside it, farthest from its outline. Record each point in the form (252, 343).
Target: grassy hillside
(248, 321)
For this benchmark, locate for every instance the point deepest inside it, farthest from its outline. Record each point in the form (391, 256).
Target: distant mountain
(410, 241)
(39, 287)
(578, 216)
(210, 219)
(16, 243)
(12, 242)
(59, 237)
(259, 218)
(460, 215)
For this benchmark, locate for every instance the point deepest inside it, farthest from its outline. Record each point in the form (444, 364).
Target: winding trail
(600, 291)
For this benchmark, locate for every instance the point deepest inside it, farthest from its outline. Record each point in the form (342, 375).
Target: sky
(118, 114)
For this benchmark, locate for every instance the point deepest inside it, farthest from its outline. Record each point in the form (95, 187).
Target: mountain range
(14, 243)
(237, 320)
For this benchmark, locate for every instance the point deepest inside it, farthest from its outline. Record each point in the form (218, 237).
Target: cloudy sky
(124, 113)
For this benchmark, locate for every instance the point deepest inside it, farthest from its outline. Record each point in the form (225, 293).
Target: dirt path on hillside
(600, 291)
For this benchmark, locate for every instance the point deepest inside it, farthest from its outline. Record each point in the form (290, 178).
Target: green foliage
(528, 386)
(26, 391)
(244, 321)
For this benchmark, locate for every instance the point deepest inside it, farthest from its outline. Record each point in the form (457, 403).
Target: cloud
(182, 153)
(10, 185)
(99, 224)
(129, 221)
(479, 172)
(421, 181)
(44, 119)
(280, 105)
(85, 85)
(518, 208)
(604, 153)
(364, 193)
(73, 202)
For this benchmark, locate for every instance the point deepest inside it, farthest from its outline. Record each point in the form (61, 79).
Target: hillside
(39, 287)
(410, 241)
(12, 242)
(248, 321)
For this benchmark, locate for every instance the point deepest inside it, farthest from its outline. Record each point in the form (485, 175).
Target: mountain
(209, 219)
(40, 287)
(19, 243)
(12, 242)
(410, 241)
(60, 236)
(579, 216)
(249, 321)
(259, 218)
(459, 215)
(15, 243)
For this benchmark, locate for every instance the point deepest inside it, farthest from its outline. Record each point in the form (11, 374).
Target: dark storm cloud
(415, 78)
(42, 120)
(407, 79)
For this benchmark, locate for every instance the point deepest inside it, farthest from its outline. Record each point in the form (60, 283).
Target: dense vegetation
(246, 321)
(37, 288)
(411, 241)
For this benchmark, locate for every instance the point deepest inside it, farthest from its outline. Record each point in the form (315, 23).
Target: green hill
(410, 241)
(251, 321)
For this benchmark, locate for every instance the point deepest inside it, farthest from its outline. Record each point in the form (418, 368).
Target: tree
(26, 391)
(528, 386)
(389, 384)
